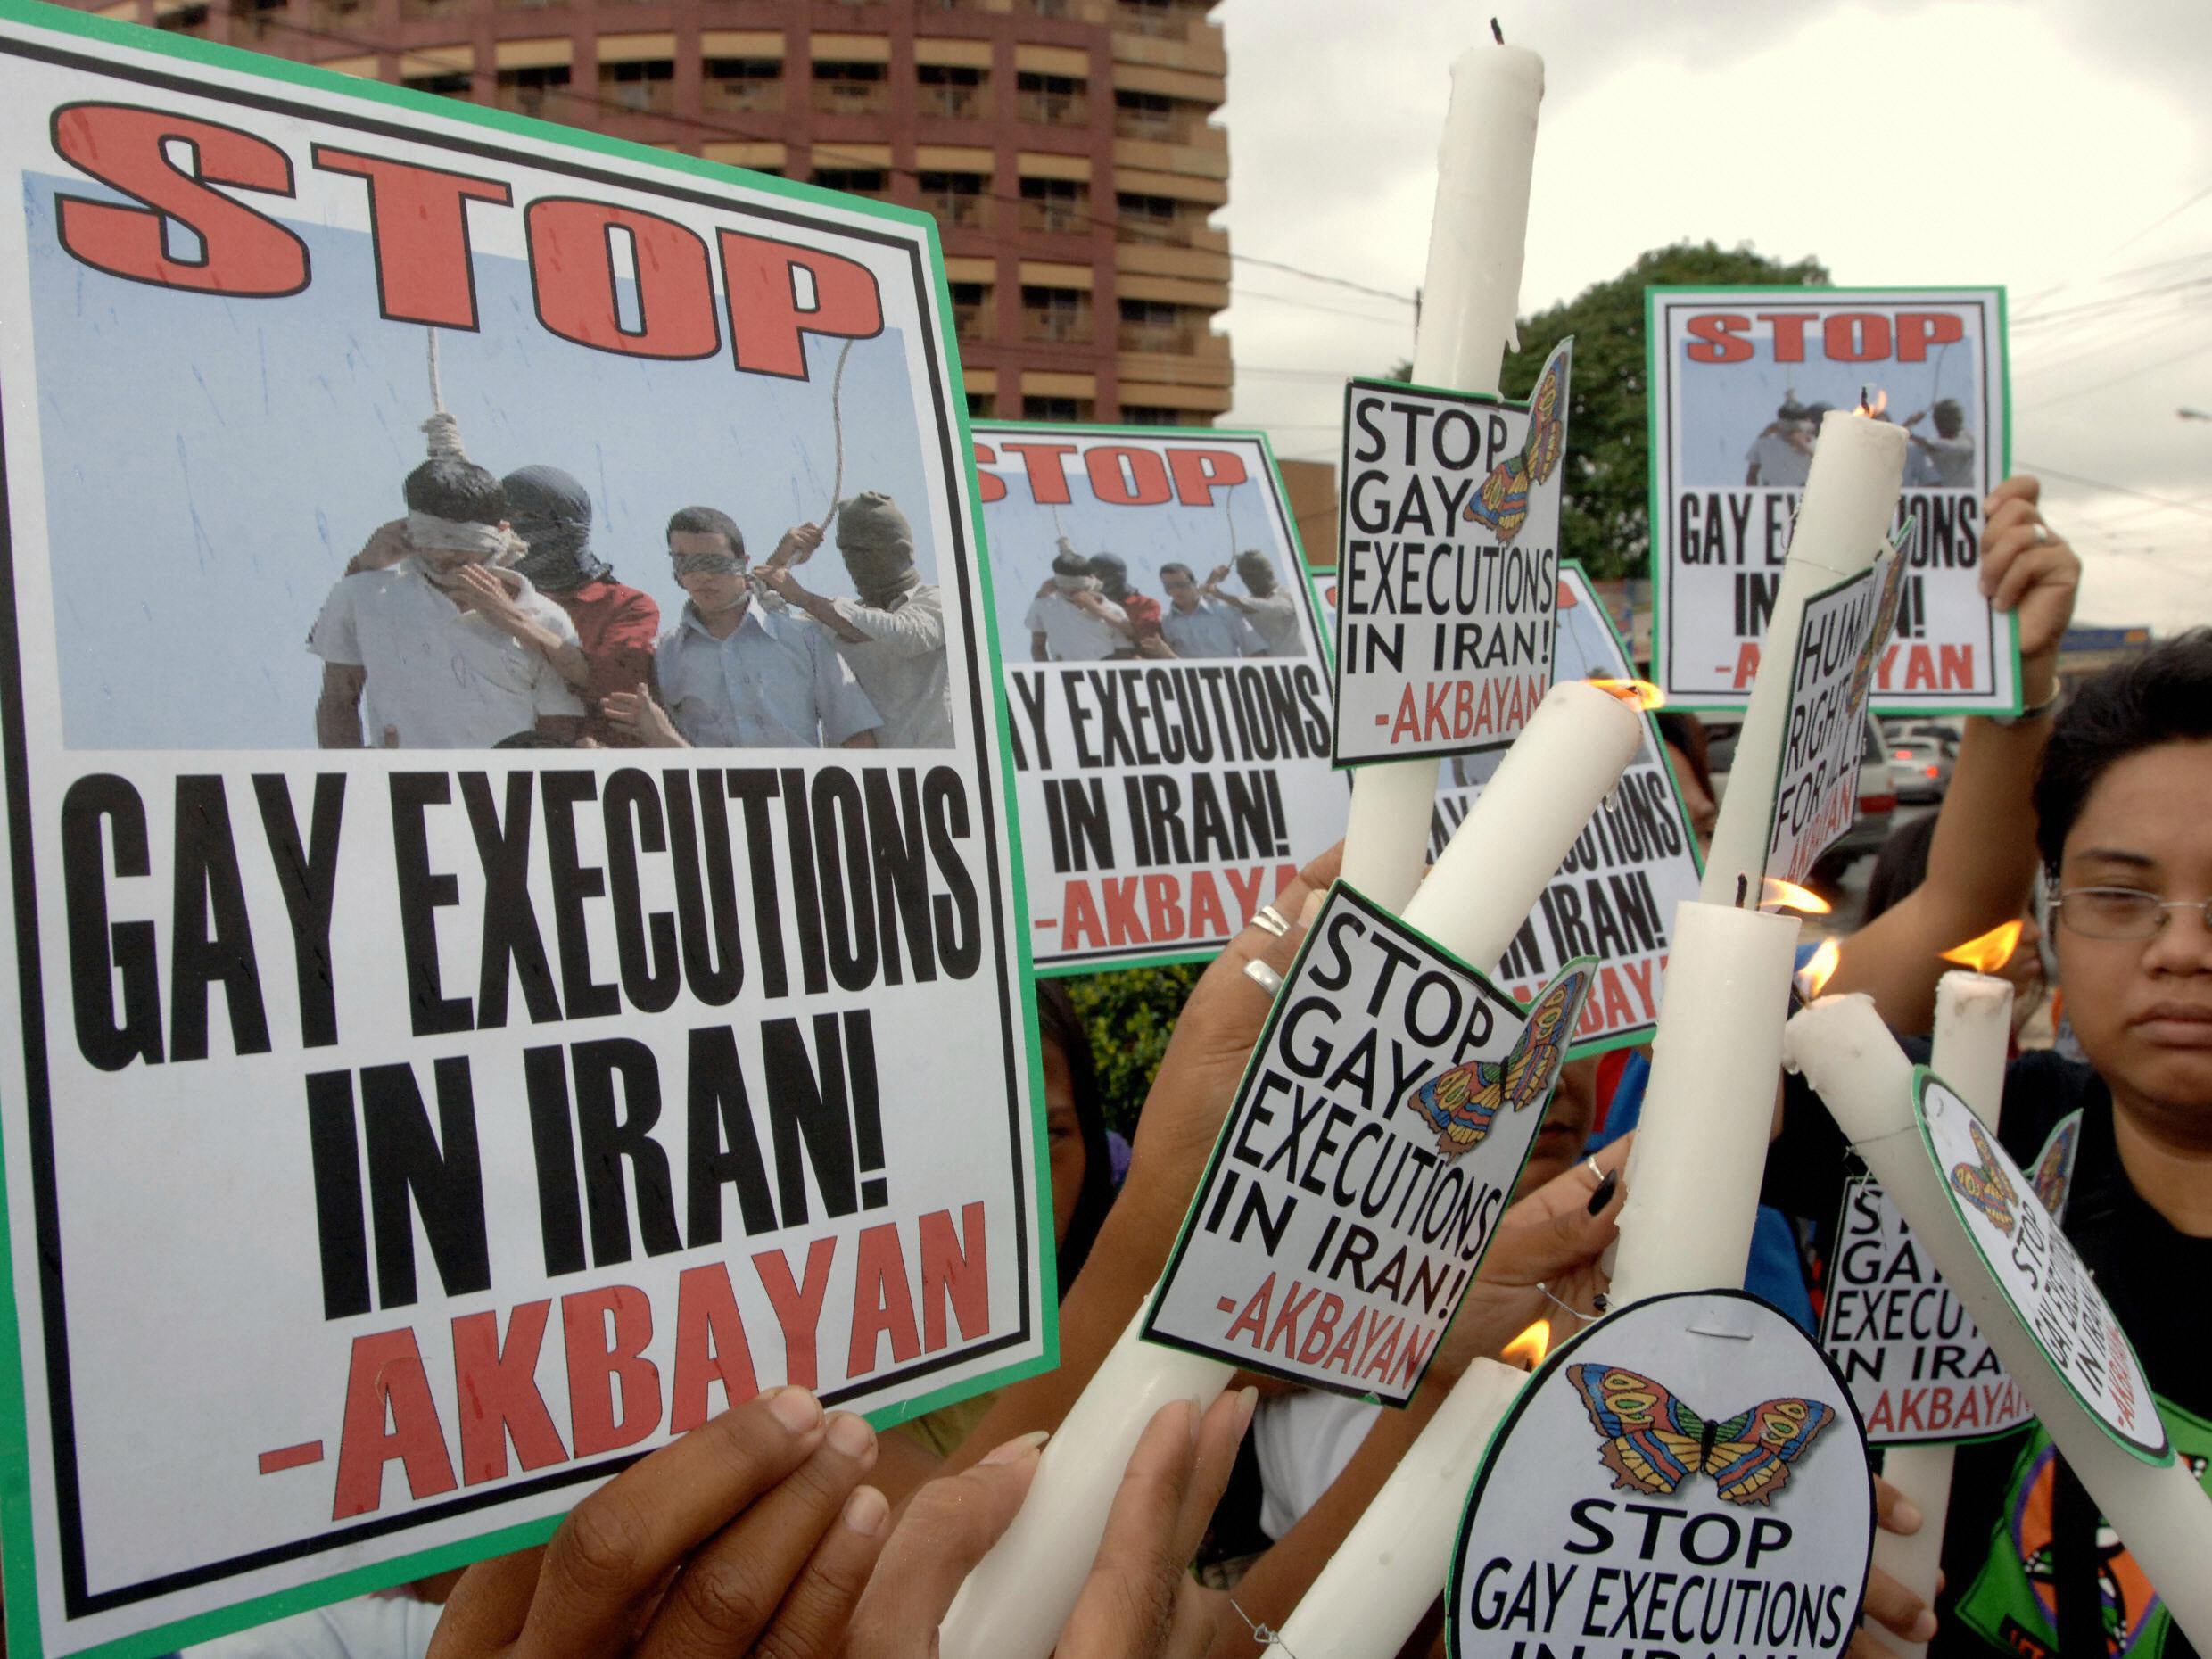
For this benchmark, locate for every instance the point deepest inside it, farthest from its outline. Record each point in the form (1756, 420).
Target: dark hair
(534, 739)
(446, 486)
(2165, 696)
(1686, 733)
(707, 521)
(1900, 867)
(1059, 1024)
(1167, 570)
(1070, 564)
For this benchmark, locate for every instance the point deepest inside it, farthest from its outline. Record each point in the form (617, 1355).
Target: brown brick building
(1064, 145)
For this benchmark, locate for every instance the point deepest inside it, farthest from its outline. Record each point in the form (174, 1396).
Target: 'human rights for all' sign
(400, 1138)
(1449, 528)
(1168, 686)
(1740, 378)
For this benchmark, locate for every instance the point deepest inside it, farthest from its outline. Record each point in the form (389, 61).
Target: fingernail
(865, 1509)
(1311, 907)
(1249, 1398)
(851, 1435)
(1020, 1447)
(1923, 1626)
(1904, 1516)
(1607, 1188)
(796, 1408)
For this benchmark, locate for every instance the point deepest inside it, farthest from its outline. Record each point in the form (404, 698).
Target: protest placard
(2035, 1266)
(1739, 380)
(1613, 896)
(399, 1139)
(1449, 527)
(1918, 1367)
(1168, 687)
(1374, 1143)
(1687, 1476)
(1816, 793)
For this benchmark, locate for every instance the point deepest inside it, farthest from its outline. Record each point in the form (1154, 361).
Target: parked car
(1877, 796)
(1946, 733)
(1920, 768)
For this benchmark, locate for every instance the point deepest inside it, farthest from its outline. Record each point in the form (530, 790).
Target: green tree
(1130, 1014)
(1604, 518)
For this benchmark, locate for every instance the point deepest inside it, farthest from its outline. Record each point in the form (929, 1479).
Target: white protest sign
(1918, 1367)
(1739, 380)
(1170, 718)
(1816, 795)
(1448, 556)
(1686, 1476)
(1614, 895)
(399, 1141)
(2035, 1266)
(1373, 1145)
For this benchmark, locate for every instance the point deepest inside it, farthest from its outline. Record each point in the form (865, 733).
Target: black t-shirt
(2021, 1532)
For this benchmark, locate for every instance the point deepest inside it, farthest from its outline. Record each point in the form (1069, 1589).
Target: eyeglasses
(2122, 912)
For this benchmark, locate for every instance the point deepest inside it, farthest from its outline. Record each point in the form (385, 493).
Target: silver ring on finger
(2041, 532)
(1597, 1174)
(1264, 977)
(1269, 919)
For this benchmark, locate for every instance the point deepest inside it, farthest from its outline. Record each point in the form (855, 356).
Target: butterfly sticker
(2053, 1175)
(1462, 1103)
(1653, 1442)
(1889, 596)
(1502, 503)
(1986, 1185)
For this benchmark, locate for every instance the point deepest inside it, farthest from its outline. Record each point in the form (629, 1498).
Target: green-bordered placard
(2034, 1266)
(398, 1142)
(1739, 377)
(1168, 686)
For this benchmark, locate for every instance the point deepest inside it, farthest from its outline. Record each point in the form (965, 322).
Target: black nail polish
(1607, 1188)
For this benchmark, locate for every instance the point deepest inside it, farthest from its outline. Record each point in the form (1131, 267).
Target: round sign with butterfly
(2036, 1268)
(1689, 1474)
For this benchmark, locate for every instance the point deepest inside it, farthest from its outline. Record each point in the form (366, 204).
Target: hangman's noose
(442, 430)
(836, 439)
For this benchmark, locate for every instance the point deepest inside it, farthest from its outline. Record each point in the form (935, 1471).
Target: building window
(956, 89)
(1062, 314)
(981, 406)
(959, 200)
(646, 87)
(185, 19)
(1143, 114)
(856, 181)
(458, 85)
(1059, 205)
(525, 91)
(530, 6)
(1154, 325)
(1156, 17)
(1051, 100)
(1158, 414)
(1056, 409)
(1145, 218)
(972, 310)
(417, 11)
(754, 85)
(850, 89)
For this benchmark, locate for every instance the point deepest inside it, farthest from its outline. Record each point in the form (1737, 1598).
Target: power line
(2112, 489)
(857, 161)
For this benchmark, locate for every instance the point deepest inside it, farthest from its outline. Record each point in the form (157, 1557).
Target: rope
(442, 430)
(836, 439)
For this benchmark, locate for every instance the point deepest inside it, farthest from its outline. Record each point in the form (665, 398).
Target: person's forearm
(1279, 1580)
(565, 656)
(337, 725)
(825, 612)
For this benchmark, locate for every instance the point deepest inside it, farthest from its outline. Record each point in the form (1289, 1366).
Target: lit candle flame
(1818, 971)
(1528, 1349)
(1640, 692)
(1989, 953)
(1871, 406)
(1789, 896)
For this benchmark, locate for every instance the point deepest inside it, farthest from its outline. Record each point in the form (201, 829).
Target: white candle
(1013, 1606)
(1701, 1143)
(1842, 524)
(2162, 1514)
(1973, 1032)
(1393, 1563)
(1467, 306)
(1569, 757)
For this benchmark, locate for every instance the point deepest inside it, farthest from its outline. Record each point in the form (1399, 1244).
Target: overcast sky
(2060, 150)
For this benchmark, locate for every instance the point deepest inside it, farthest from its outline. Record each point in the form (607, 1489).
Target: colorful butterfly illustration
(1892, 593)
(1654, 1442)
(1460, 1105)
(1502, 503)
(2053, 1175)
(1986, 1185)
